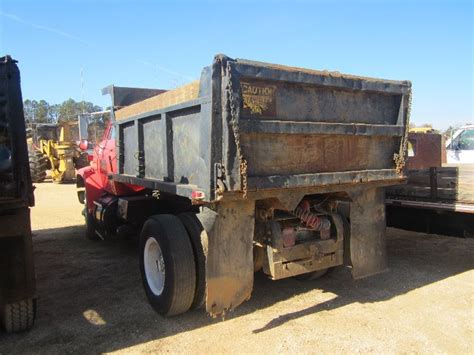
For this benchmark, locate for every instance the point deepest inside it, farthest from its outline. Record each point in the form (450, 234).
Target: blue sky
(163, 44)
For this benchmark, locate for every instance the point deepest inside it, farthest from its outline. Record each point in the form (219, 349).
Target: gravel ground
(90, 300)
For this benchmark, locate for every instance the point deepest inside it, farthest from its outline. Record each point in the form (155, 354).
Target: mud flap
(367, 239)
(229, 264)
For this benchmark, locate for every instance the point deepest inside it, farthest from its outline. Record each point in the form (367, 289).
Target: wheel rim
(154, 266)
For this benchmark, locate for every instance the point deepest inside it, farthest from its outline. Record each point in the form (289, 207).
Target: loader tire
(167, 265)
(19, 316)
(194, 228)
(38, 165)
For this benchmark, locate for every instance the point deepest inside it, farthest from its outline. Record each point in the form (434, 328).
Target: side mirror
(83, 122)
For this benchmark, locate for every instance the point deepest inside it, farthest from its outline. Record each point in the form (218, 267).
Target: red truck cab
(94, 182)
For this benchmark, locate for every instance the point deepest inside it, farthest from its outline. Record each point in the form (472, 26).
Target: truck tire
(167, 265)
(90, 226)
(19, 316)
(194, 228)
(38, 165)
(90, 222)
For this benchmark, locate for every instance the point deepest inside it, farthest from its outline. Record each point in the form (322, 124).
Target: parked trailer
(254, 166)
(438, 197)
(17, 275)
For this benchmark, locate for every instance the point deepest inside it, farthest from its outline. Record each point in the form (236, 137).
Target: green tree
(70, 109)
(43, 112)
(29, 109)
(451, 130)
(37, 111)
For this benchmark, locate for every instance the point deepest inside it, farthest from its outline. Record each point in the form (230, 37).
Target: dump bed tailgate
(300, 127)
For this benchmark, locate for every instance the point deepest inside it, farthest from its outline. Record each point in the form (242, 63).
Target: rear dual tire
(194, 228)
(18, 316)
(167, 265)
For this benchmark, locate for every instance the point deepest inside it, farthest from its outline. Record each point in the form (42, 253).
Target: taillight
(197, 196)
(84, 145)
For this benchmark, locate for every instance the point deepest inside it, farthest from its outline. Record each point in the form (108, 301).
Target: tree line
(41, 111)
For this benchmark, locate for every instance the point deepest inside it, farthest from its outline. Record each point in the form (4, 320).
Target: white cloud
(44, 28)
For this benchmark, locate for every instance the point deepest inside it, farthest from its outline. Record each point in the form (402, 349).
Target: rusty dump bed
(251, 128)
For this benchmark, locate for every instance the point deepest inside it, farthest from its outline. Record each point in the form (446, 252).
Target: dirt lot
(90, 299)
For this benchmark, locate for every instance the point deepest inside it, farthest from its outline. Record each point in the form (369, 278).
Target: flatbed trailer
(255, 166)
(17, 274)
(438, 199)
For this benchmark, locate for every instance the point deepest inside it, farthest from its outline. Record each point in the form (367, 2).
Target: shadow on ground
(90, 295)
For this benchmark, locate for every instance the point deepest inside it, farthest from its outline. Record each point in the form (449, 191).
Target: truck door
(107, 162)
(461, 148)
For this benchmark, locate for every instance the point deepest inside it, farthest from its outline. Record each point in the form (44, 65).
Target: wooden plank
(450, 183)
(425, 192)
(443, 182)
(442, 206)
(182, 94)
(467, 170)
(433, 183)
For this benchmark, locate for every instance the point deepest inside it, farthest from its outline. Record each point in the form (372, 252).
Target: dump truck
(17, 274)
(255, 166)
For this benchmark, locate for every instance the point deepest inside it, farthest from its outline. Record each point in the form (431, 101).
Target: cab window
(465, 141)
(112, 132)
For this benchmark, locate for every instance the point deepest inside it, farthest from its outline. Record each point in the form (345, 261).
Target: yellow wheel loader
(54, 147)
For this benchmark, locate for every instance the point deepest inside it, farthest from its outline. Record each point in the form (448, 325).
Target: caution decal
(259, 99)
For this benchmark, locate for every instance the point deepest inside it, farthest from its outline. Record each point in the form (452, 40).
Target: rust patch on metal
(425, 150)
(313, 153)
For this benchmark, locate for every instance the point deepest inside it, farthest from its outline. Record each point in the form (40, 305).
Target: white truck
(460, 148)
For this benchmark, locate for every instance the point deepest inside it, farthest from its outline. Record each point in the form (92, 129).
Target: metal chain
(399, 157)
(235, 128)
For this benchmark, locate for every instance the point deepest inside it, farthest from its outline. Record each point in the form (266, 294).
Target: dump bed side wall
(169, 149)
